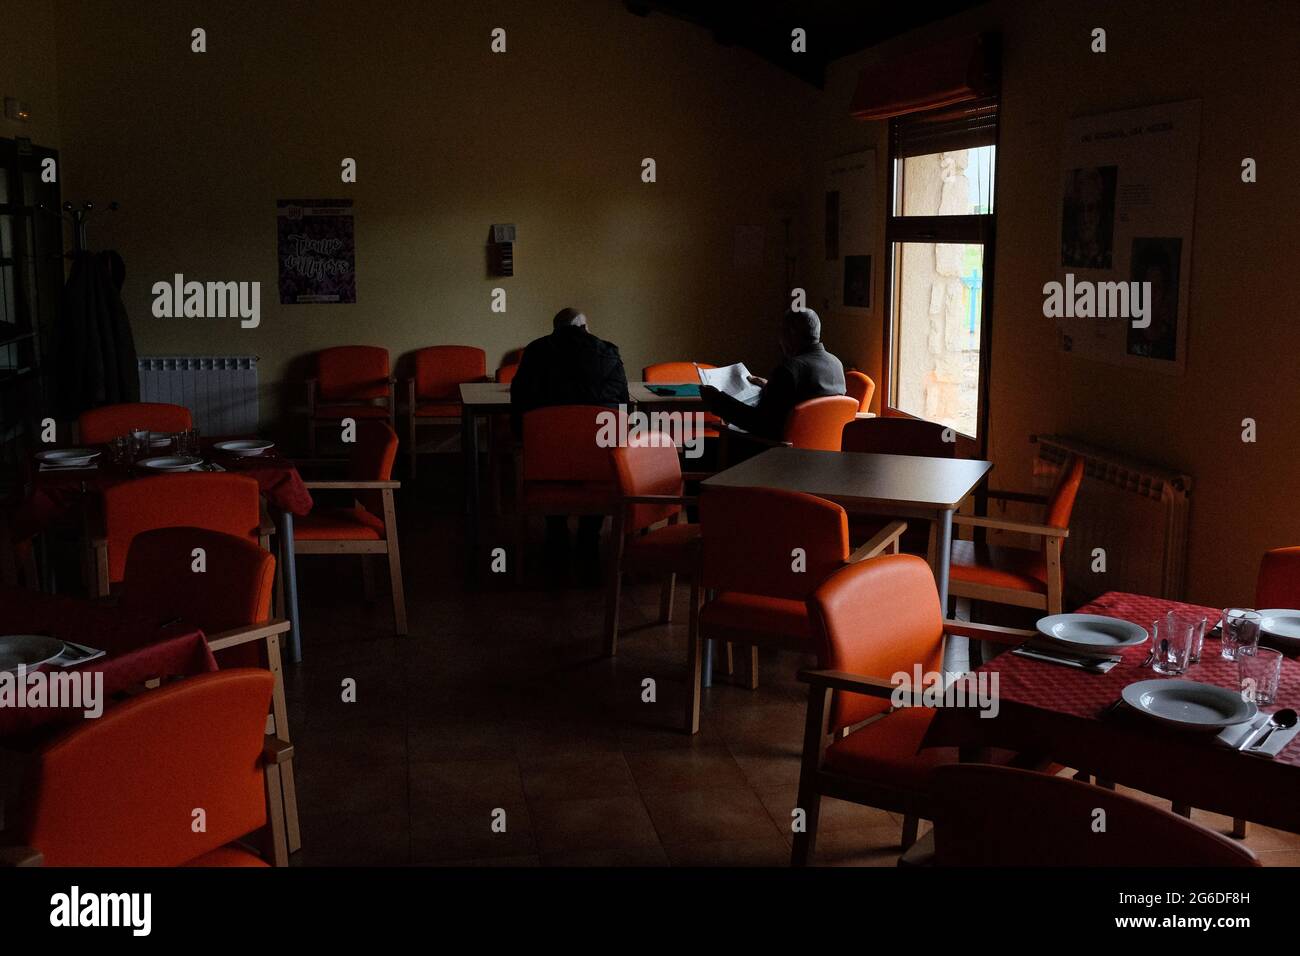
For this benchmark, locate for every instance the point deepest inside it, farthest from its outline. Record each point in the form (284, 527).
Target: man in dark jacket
(569, 367)
(809, 371)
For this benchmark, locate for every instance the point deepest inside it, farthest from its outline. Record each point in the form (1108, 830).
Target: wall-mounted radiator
(1136, 512)
(219, 390)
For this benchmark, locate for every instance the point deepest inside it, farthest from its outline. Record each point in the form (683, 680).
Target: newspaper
(732, 380)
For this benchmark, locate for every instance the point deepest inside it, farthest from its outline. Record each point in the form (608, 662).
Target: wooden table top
(497, 395)
(883, 480)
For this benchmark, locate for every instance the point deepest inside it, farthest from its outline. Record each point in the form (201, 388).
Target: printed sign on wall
(317, 254)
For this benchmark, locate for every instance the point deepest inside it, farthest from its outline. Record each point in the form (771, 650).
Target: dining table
(895, 486)
(58, 495)
(1072, 716)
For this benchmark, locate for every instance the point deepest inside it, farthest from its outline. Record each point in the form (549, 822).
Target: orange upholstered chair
(1278, 584)
(860, 387)
(651, 535)
(912, 437)
(981, 820)
(563, 470)
(230, 601)
(1025, 577)
(819, 422)
(433, 393)
(352, 381)
(869, 621)
(506, 373)
(765, 551)
(217, 502)
(100, 425)
(369, 525)
(122, 790)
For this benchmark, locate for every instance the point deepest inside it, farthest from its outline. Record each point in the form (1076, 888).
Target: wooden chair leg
(280, 719)
(1239, 828)
(276, 842)
(394, 563)
(694, 661)
(729, 660)
(809, 798)
(911, 824)
(666, 599)
(753, 667)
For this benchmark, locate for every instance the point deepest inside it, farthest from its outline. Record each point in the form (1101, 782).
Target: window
(940, 235)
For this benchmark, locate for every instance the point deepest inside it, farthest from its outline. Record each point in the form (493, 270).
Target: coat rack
(77, 215)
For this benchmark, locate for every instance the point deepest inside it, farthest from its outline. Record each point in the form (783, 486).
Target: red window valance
(943, 75)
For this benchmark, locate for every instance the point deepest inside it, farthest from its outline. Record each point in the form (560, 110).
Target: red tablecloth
(134, 653)
(1061, 712)
(56, 494)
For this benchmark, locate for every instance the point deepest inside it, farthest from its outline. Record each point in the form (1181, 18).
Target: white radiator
(219, 390)
(1136, 512)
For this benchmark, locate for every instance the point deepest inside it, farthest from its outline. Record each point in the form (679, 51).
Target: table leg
(469, 449)
(943, 555)
(289, 568)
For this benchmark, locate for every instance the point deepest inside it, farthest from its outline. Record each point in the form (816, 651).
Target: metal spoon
(1283, 719)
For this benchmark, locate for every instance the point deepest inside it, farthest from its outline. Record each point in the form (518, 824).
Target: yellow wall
(27, 70)
(449, 138)
(1239, 60)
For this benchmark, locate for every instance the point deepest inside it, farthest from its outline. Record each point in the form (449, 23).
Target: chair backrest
(673, 372)
(648, 466)
(352, 373)
(750, 536)
(122, 790)
(218, 502)
(372, 460)
(819, 422)
(506, 373)
(1000, 816)
(560, 444)
(898, 436)
(1060, 503)
(877, 618)
(439, 369)
(99, 425)
(233, 590)
(859, 386)
(1278, 584)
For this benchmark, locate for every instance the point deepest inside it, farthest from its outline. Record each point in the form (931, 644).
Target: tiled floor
(494, 734)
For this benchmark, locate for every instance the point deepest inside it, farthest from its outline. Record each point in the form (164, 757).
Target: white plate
(244, 447)
(1189, 704)
(67, 456)
(172, 463)
(1281, 623)
(27, 650)
(1091, 633)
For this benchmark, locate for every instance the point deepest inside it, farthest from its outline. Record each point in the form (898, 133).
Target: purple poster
(317, 255)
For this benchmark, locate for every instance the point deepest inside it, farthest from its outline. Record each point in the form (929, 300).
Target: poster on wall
(1128, 202)
(849, 221)
(316, 251)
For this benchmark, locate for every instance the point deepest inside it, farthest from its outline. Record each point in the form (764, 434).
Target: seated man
(809, 371)
(569, 367)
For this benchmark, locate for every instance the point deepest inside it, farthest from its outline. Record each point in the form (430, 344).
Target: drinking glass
(1240, 629)
(1260, 669)
(1174, 636)
(119, 449)
(139, 443)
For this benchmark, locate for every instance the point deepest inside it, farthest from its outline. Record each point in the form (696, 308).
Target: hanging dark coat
(95, 353)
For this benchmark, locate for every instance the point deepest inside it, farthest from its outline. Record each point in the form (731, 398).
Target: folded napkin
(1235, 735)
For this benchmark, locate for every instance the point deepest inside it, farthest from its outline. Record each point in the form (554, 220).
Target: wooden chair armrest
(250, 632)
(1025, 496)
(659, 499)
(1011, 636)
(275, 750)
(881, 540)
(1020, 527)
(21, 856)
(843, 680)
(351, 485)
